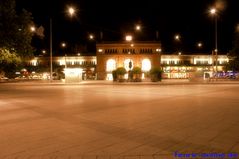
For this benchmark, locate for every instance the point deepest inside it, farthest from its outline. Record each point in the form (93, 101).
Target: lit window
(146, 65)
(109, 77)
(110, 65)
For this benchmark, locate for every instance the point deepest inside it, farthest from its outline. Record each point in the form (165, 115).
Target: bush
(121, 71)
(136, 70)
(156, 74)
(136, 74)
(118, 74)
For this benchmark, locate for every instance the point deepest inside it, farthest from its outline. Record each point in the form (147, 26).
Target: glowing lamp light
(138, 27)
(213, 11)
(177, 37)
(158, 50)
(199, 44)
(33, 29)
(91, 36)
(71, 11)
(128, 38)
(63, 44)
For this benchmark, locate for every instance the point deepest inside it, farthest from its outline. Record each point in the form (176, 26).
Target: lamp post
(71, 11)
(63, 45)
(177, 39)
(51, 49)
(199, 45)
(138, 27)
(91, 37)
(213, 12)
(32, 29)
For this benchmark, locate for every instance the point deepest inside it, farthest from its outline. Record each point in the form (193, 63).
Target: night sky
(115, 18)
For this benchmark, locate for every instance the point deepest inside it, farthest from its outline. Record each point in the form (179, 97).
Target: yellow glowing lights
(177, 37)
(138, 27)
(63, 45)
(213, 11)
(91, 36)
(199, 44)
(73, 74)
(33, 29)
(71, 11)
(128, 38)
(158, 50)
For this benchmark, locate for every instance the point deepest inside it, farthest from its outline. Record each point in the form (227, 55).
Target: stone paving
(117, 121)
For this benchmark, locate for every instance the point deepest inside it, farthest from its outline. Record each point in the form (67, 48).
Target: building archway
(146, 65)
(110, 66)
(128, 64)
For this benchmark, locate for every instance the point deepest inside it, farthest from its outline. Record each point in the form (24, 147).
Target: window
(146, 65)
(110, 65)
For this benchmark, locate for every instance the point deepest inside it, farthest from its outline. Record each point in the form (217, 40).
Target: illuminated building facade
(110, 56)
(86, 63)
(180, 66)
(128, 55)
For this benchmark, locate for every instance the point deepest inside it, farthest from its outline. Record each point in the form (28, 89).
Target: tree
(233, 55)
(8, 62)
(15, 29)
(120, 72)
(136, 74)
(156, 74)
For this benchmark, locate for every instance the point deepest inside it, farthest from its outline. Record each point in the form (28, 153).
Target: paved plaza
(52, 121)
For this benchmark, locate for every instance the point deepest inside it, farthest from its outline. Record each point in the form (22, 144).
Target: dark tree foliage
(9, 62)
(15, 34)
(233, 55)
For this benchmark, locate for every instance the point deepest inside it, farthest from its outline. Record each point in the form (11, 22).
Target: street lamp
(51, 49)
(177, 37)
(138, 27)
(213, 12)
(32, 29)
(199, 45)
(91, 36)
(71, 11)
(63, 45)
